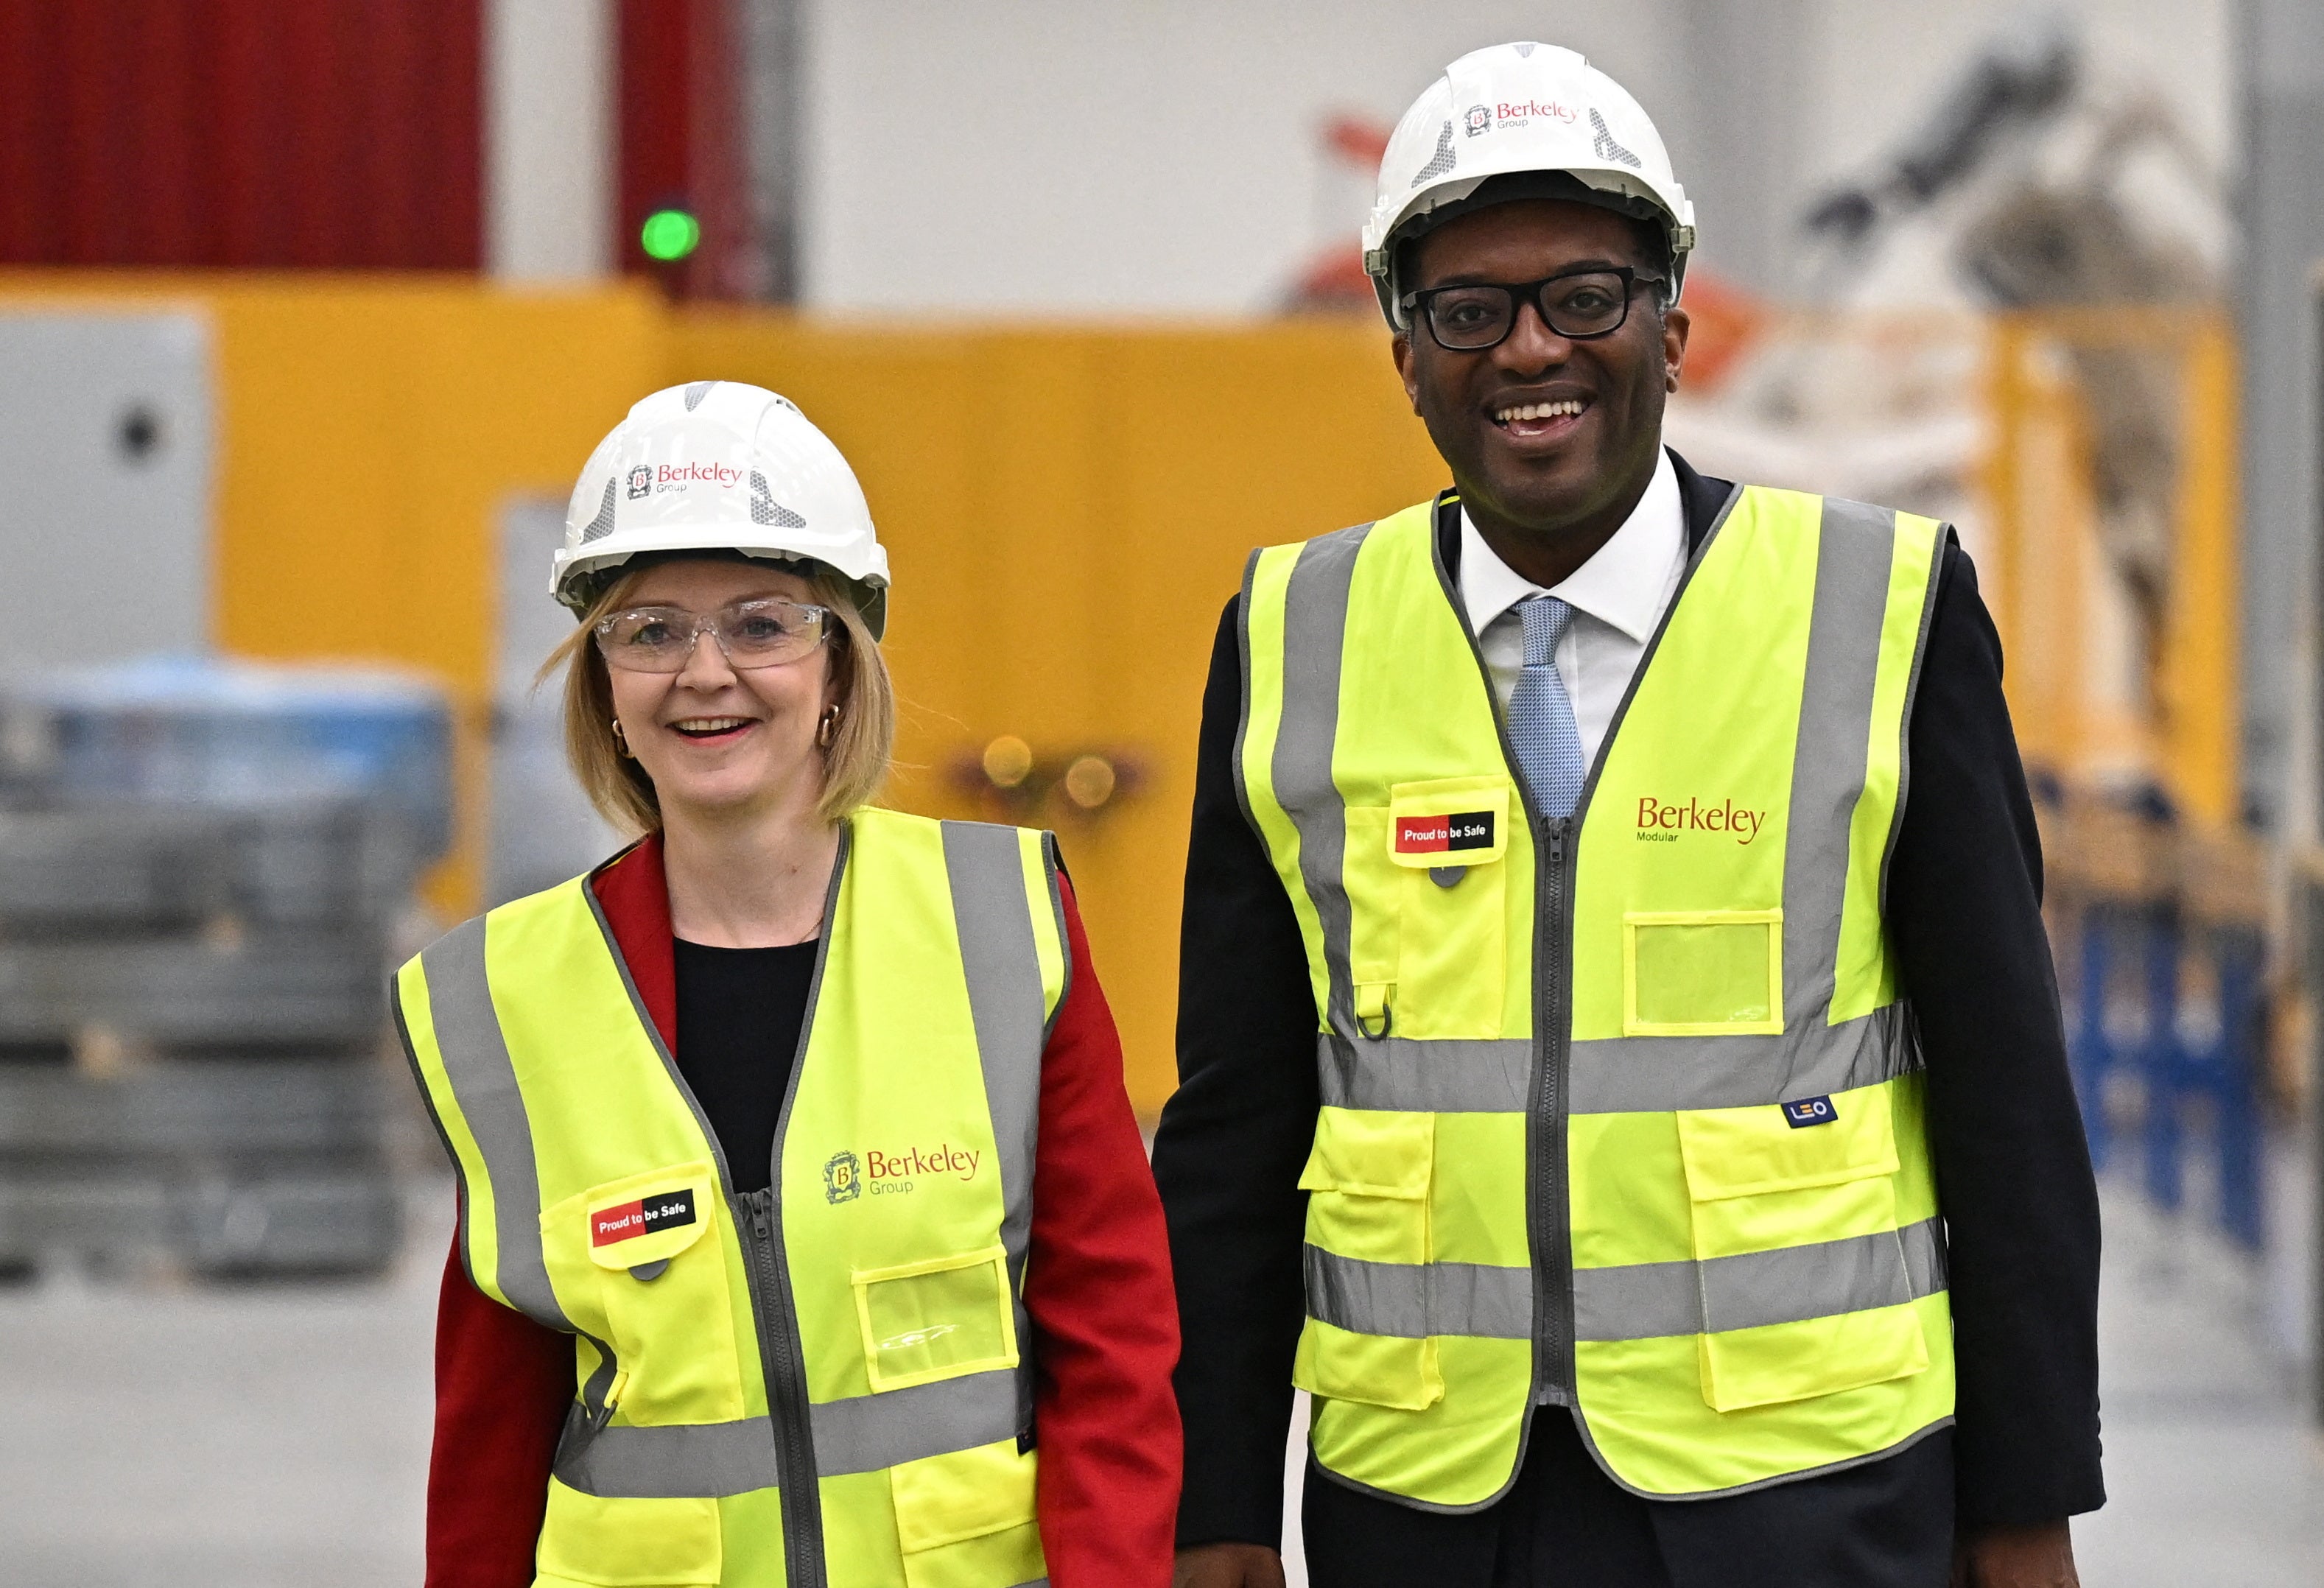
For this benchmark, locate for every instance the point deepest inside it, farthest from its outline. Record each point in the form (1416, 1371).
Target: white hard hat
(1513, 109)
(717, 465)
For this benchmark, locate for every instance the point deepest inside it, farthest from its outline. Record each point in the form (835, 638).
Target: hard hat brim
(1499, 187)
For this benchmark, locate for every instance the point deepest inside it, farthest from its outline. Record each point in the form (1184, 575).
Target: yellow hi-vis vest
(1622, 1111)
(823, 1383)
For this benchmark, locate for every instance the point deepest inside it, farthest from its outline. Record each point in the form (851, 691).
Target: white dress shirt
(1619, 597)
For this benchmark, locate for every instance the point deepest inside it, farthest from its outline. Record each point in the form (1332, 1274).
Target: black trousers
(1564, 1524)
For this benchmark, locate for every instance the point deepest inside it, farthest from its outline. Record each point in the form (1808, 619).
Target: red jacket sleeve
(504, 1382)
(1104, 1315)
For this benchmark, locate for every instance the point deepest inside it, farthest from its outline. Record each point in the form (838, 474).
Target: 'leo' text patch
(1810, 1111)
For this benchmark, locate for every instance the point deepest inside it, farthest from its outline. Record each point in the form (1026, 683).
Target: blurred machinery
(203, 868)
(2021, 330)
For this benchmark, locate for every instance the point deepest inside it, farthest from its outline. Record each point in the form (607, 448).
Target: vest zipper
(759, 1231)
(1553, 992)
(1549, 1233)
(784, 1368)
(1548, 1213)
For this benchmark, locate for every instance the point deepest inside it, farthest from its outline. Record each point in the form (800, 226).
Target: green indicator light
(670, 234)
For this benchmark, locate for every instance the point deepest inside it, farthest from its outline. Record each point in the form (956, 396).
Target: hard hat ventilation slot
(696, 390)
(1607, 149)
(598, 528)
(765, 510)
(1442, 163)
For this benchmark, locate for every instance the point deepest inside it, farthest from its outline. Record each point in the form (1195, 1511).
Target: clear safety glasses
(752, 633)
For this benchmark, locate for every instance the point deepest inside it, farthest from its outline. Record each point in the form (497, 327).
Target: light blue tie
(1542, 729)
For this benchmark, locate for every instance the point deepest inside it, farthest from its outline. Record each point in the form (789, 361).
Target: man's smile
(1540, 420)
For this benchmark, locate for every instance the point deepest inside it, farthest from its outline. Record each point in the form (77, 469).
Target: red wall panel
(680, 138)
(333, 133)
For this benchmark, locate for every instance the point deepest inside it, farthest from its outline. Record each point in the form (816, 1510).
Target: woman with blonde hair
(804, 1232)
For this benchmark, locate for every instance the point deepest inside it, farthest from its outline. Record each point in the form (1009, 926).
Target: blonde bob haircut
(854, 763)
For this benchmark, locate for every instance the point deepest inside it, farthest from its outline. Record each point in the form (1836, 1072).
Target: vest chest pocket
(662, 1285)
(937, 1320)
(1428, 894)
(1702, 973)
(1805, 1290)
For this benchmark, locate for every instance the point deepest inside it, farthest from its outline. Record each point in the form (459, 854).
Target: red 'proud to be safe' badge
(665, 1210)
(1437, 835)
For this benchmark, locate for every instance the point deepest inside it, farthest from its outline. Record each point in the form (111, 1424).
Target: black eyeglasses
(1579, 305)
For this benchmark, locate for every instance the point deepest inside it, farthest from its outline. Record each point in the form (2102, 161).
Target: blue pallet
(210, 731)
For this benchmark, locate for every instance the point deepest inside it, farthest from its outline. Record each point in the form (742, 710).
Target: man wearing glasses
(1621, 1073)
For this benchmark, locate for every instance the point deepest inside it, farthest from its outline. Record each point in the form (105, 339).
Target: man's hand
(1227, 1566)
(2038, 1557)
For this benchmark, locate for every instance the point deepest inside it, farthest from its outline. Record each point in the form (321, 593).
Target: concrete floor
(2213, 1476)
(266, 1438)
(278, 1436)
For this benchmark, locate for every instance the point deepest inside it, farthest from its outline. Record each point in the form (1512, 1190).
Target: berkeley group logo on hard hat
(678, 476)
(641, 483)
(1516, 113)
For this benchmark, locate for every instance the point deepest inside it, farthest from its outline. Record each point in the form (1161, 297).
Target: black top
(1964, 914)
(739, 1012)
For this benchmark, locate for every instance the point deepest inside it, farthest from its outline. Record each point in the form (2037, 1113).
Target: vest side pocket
(1374, 1370)
(1758, 1184)
(629, 1543)
(936, 1319)
(1367, 1178)
(968, 1518)
(1743, 1368)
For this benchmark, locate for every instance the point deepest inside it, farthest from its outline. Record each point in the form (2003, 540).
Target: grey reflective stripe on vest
(1314, 631)
(1785, 1286)
(1855, 547)
(483, 1083)
(1425, 1075)
(1621, 1075)
(1415, 1300)
(1006, 1002)
(1661, 1074)
(862, 1434)
(1645, 1301)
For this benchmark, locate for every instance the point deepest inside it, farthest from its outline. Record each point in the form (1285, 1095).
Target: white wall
(549, 139)
(1032, 157)
(1024, 157)
(1038, 155)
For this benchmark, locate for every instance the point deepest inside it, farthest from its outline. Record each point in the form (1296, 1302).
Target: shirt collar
(1625, 584)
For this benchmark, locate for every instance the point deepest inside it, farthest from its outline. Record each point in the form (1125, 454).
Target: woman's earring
(621, 740)
(827, 729)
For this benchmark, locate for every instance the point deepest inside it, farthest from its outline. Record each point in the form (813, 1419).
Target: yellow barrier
(2177, 723)
(1067, 512)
